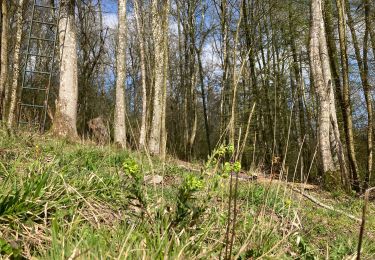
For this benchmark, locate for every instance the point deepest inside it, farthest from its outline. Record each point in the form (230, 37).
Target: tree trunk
(120, 110)
(371, 25)
(140, 29)
(204, 103)
(4, 58)
(16, 66)
(65, 120)
(163, 138)
(364, 79)
(368, 97)
(346, 104)
(158, 123)
(322, 88)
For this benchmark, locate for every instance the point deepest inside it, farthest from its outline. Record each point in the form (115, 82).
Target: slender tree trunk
(16, 66)
(371, 27)
(163, 138)
(364, 79)
(232, 124)
(346, 104)
(4, 58)
(368, 97)
(158, 119)
(65, 119)
(205, 114)
(120, 110)
(327, 75)
(140, 29)
(225, 103)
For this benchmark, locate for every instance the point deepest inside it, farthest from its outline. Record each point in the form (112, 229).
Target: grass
(62, 200)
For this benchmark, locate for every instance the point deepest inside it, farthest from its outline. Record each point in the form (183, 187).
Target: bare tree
(328, 128)
(346, 104)
(140, 29)
(65, 118)
(16, 66)
(119, 122)
(4, 58)
(159, 32)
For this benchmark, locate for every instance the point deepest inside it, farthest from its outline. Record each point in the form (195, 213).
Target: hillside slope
(61, 200)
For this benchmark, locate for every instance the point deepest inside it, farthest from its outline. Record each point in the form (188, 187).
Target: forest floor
(64, 200)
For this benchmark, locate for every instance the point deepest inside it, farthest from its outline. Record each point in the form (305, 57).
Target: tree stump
(98, 130)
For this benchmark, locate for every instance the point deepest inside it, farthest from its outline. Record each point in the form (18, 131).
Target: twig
(321, 204)
(362, 229)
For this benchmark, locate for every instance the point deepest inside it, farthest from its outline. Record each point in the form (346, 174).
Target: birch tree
(65, 119)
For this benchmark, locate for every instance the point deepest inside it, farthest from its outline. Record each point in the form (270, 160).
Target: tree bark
(120, 109)
(4, 58)
(140, 29)
(368, 97)
(16, 66)
(163, 138)
(346, 104)
(322, 87)
(204, 103)
(159, 34)
(65, 120)
(363, 70)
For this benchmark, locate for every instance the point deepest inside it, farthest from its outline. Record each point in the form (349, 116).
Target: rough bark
(140, 29)
(368, 97)
(16, 66)
(346, 104)
(362, 65)
(65, 119)
(322, 88)
(328, 130)
(158, 33)
(371, 25)
(4, 58)
(120, 110)
(204, 102)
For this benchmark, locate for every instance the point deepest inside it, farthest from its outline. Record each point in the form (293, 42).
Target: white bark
(16, 65)
(65, 119)
(140, 29)
(119, 121)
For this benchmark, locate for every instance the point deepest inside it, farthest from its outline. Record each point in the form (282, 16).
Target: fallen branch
(321, 204)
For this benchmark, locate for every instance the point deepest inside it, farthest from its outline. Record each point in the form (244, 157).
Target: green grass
(60, 199)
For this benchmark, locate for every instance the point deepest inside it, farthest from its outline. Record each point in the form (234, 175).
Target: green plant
(187, 209)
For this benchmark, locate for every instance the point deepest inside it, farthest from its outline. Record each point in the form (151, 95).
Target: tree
(346, 104)
(65, 119)
(119, 121)
(367, 90)
(321, 72)
(4, 58)
(140, 30)
(16, 67)
(160, 34)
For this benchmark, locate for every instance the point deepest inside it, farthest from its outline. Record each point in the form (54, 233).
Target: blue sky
(110, 12)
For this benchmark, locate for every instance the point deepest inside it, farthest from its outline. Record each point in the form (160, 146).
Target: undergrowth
(61, 200)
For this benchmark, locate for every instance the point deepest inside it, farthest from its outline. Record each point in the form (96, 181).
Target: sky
(109, 13)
